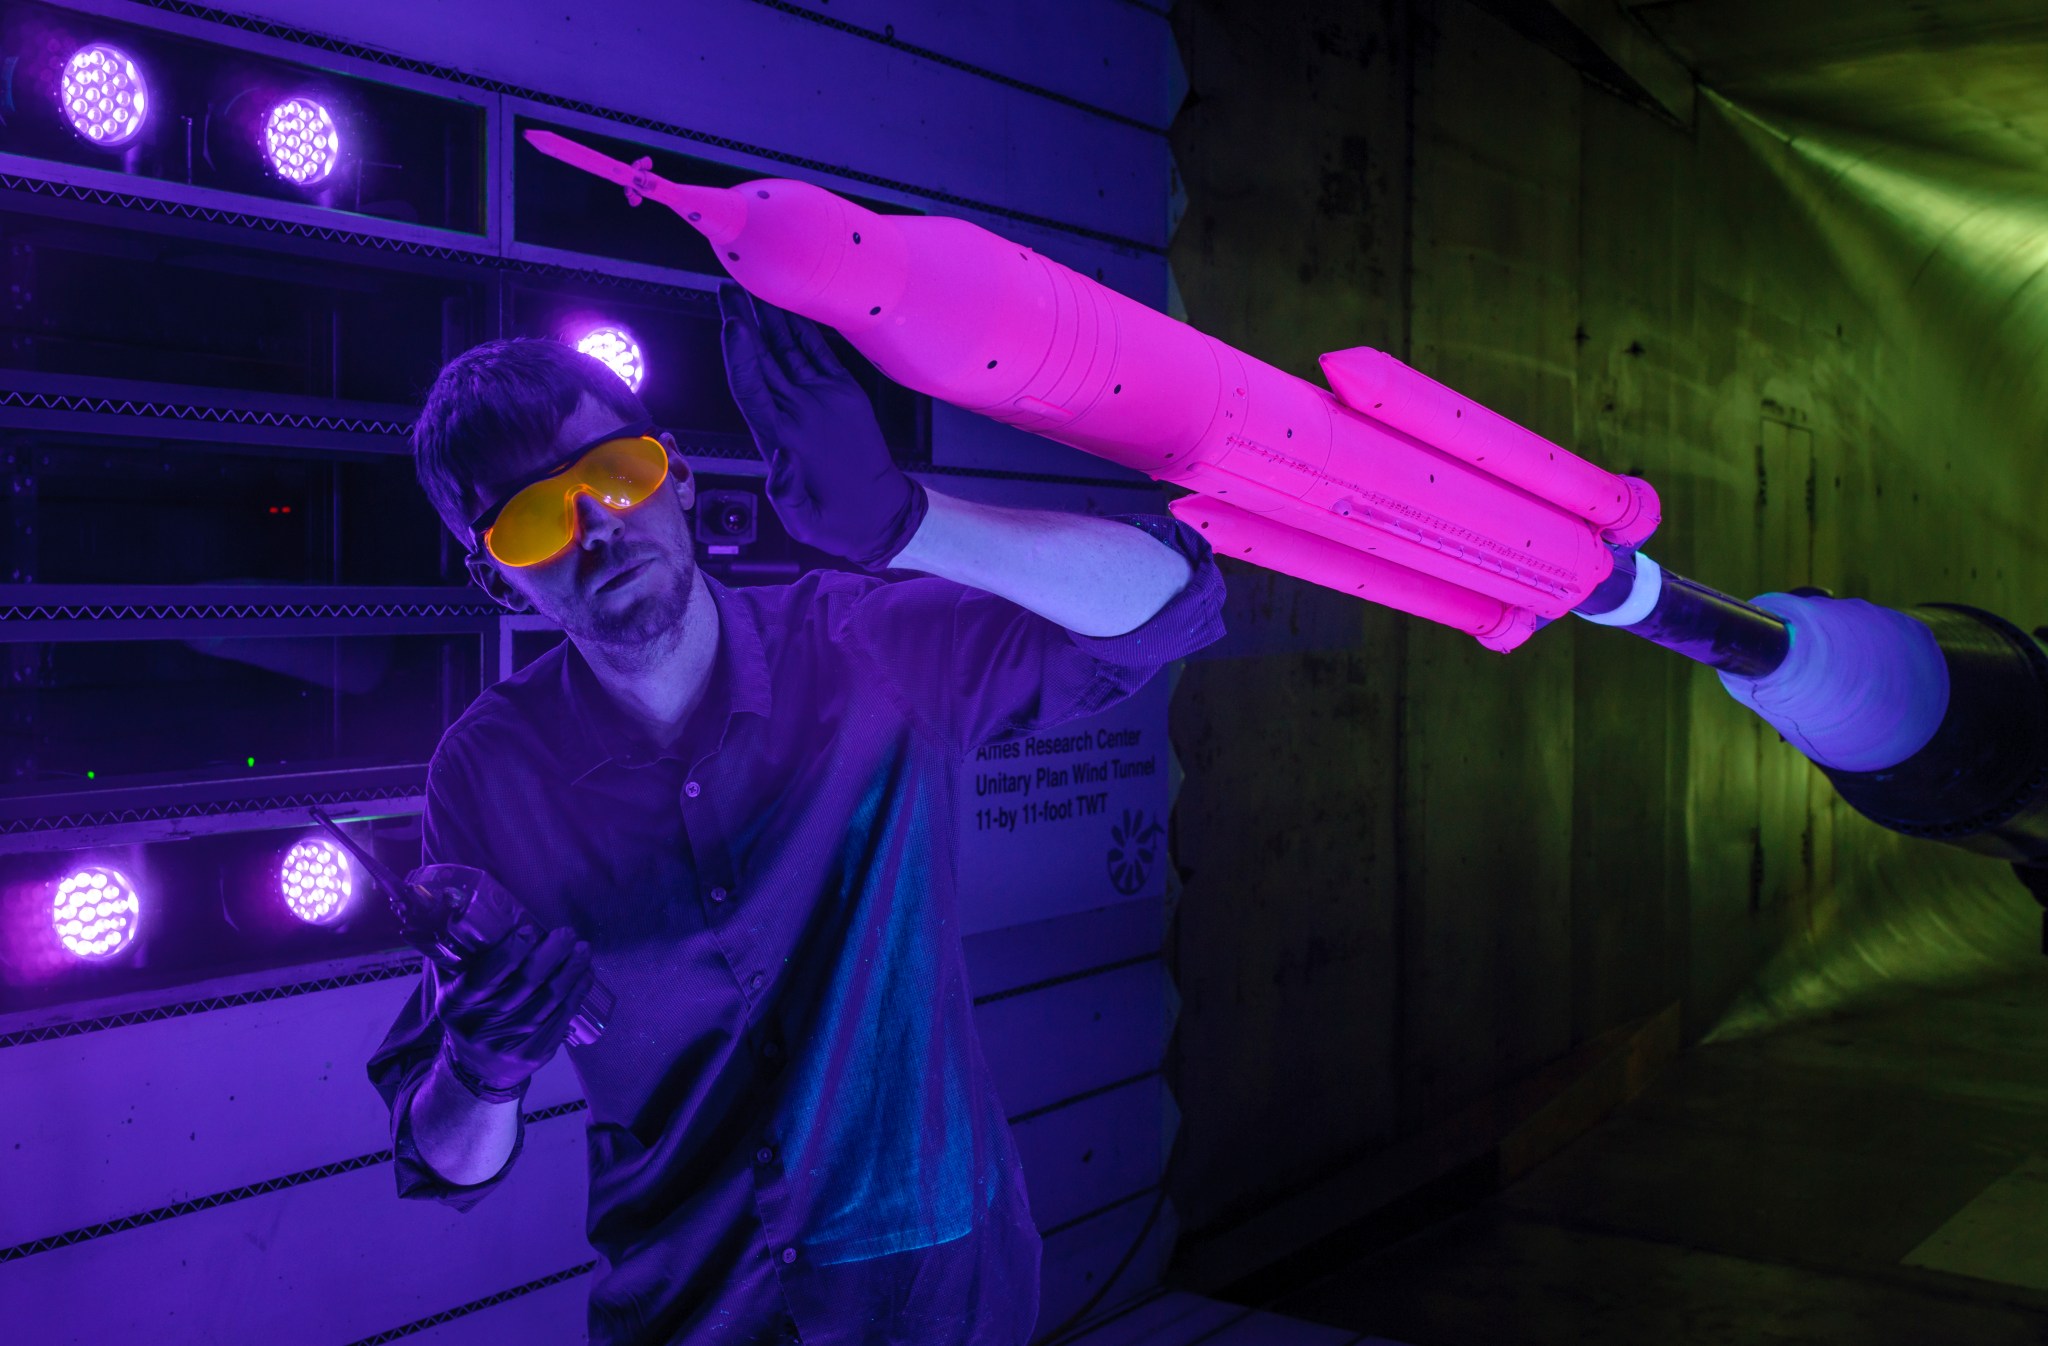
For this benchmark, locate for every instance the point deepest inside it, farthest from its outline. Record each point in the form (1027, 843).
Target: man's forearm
(461, 1137)
(1096, 577)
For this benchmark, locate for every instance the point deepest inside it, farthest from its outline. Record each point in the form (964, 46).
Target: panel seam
(1063, 1226)
(1066, 977)
(419, 1325)
(1032, 1114)
(160, 1214)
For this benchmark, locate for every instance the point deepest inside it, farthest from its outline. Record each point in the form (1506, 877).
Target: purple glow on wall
(620, 352)
(105, 97)
(301, 141)
(317, 879)
(95, 911)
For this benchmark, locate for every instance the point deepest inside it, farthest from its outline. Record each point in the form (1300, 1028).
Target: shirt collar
(602, 732)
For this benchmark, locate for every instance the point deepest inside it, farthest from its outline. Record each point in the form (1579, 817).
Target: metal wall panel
(1100, 1149)
(553, 1316)
(1024, 955)
(1079, 1260)
(1115, 56)
(114, 1123)
(328, 1261)
(1075, 1036)
(139, 1118)
(748, 73)
(205, 1110)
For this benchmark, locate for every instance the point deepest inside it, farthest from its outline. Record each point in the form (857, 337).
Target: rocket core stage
(1394, 489)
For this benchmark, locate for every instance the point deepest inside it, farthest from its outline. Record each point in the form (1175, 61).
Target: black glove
(508, 1010)
(830, 476)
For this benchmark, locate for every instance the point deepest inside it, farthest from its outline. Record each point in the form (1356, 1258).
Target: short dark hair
(500, 398)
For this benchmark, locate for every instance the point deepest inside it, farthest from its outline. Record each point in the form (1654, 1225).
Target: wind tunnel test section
(1396, 489)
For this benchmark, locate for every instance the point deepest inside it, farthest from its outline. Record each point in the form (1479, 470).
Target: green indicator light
(252, 761)
(88, 775)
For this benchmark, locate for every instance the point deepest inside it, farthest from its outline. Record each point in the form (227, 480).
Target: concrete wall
(1294, 152)
(1417, 871)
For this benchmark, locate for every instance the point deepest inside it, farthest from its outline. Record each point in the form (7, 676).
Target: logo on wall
(1133, 847)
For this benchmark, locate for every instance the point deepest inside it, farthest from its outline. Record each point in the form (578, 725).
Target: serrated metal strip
(326, 234)
(71, 822)
(143, 612)
(405, 967)
(191, 411)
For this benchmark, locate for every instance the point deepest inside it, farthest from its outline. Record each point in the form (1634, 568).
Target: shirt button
(764, 1155)
(771, 1049)
(718, 894)
(788, 1256)
(755, 981)
(693, 789)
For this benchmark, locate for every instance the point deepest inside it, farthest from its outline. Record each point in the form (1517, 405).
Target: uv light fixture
(95, 911)
(619, 351)
(317, 879)
(301, 142)
(106, 99)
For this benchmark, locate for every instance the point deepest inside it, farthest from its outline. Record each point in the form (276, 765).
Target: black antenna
(376, 868)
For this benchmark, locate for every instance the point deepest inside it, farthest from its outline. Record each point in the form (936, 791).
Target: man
(734, 805)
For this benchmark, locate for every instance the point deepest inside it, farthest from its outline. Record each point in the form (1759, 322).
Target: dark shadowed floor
(1868, 1181)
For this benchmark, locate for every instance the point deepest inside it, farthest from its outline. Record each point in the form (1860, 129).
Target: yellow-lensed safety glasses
(537, 521)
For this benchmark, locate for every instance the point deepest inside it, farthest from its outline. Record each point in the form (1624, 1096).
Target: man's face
(628, 576)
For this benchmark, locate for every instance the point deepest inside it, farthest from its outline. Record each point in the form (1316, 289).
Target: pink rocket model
(1394, 488)
(1388, 486)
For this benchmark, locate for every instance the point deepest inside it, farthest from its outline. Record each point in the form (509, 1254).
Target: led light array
(301, 142)
(317, 880)
(105, 97)
(95, 911)
(618, 350)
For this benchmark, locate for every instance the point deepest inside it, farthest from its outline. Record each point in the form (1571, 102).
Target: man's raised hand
(830, 476)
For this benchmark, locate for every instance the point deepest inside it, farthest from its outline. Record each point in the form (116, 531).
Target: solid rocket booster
(1389, 486)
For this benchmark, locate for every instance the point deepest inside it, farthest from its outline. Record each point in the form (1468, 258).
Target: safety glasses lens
(625, 472)
(533, 526)
(540, 521)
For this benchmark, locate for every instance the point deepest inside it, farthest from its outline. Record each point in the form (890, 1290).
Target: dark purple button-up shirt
(792, 1133)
